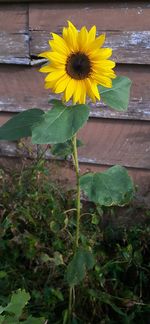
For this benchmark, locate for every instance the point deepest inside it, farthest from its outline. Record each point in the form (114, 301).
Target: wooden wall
(110, 137)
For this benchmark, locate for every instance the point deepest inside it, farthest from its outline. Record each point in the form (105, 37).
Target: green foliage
(112, 187)
(64, 149)
(14, 310)
(111, 281)
(117, 97)
(76, 270)
(18, 301)
(20, 125)
(60, 123)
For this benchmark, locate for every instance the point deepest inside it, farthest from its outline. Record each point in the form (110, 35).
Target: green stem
(70, 304)
(76, 163)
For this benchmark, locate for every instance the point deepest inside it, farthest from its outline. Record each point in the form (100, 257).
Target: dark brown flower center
(78, 66)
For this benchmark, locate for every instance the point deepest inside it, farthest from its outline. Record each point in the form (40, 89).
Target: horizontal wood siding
(14, 34)
(123, 25)
(128, 144)
(27, 91)
(126, 27)
(110, 137)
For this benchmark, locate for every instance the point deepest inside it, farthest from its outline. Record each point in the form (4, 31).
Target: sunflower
(77, 64)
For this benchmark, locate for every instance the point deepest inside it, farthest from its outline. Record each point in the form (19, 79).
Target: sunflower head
(78, 64)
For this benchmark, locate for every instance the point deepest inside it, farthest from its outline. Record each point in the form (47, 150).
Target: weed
(37, 237)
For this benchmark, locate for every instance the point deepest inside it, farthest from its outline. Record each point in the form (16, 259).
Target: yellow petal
(59, 44)
(103, 80)
(94, 89)
(48, 85)
(46, 69)
(83, 38)
(44, 54)
(92, 34)
(104, 64)
(97, 43)
(70, 89)
(70, 36)
(70, 24)
(61, 84)
(82, 98)
(101, 54)
(77, 92)
(89, 90)
(55, 75)
(56, 57)
(108, 73)
(58, 48)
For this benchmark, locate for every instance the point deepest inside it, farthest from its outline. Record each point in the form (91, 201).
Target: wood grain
(14, 34)
(120, 16)
(22, 88)
(128, 47)
(107, 142)
(62, 1)
(126, 27)
(116, 142)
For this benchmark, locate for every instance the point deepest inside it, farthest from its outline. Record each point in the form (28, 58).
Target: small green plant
(13, 312)
(109, 274)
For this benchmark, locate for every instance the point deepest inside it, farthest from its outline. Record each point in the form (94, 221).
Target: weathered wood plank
(126, 27)
(116, 142)
(128, 47)
(14, 34)
(23, 88)
(62, 1)
(14, 48)
(107, 142)
(108, 15)
(13, 18)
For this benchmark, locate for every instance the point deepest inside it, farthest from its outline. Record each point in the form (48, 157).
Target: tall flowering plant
(78, 68)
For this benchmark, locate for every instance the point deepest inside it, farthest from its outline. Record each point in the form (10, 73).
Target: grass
(36, 240)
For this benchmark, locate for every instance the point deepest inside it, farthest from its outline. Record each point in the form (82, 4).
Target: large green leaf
(117, 97)
(34, 320)
(64, 149)
(60, 123)
(2, 319)
(112, 187)
(82, 260)
(20, 125)
(10, 320)
(18, 301)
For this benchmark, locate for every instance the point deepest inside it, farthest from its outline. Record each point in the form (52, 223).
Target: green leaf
(65, 316)
(10, 320)
(106, 299)
(2, 319)
(3, 274)
(57, 293)
(20, 125)
(82, 260)
(64, 149)
(112, 187)
(34, 320)
(95, 219)
(1, 309)
(60, 123)
(58, 258)
(18, 301)
(117, 97)
(54, 226)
